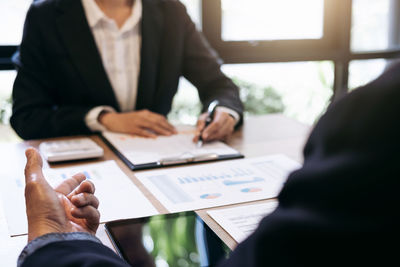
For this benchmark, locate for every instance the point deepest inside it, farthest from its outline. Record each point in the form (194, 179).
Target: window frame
(6, 53)
(335, 46)
(267, 50)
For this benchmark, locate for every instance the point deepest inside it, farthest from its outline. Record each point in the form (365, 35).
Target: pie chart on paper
(251, 190)
(210, 196)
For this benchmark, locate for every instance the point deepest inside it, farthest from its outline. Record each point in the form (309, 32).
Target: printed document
(139, 150)
(218, 184)
(10, 247)
(240, 222)
(119, 197)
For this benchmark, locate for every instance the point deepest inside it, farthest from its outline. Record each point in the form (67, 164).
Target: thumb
(33, 168)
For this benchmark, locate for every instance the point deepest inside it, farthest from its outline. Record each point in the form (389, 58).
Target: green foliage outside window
(5, 110)
(257, 100)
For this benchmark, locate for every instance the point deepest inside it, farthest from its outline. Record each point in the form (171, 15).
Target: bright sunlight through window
(253, 20)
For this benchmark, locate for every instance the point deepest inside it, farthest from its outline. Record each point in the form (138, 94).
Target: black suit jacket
(341, 208)
(61, 76)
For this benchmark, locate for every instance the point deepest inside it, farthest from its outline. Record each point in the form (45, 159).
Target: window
(300, 90)
(371, 25)
(362, 72)
(194, 9)
(375, 31)
(334, 45)
(272, 20)
(12, 17)
(6, 81)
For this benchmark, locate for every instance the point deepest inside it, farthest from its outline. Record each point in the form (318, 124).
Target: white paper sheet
(240, 222)
(119, 197)
(145, 150)
(217, 184)
(10, 248)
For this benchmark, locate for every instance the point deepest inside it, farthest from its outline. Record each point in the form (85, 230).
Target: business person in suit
(339, 209)
(95, 65)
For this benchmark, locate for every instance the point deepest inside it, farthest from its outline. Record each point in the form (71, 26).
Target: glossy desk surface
(263, 135)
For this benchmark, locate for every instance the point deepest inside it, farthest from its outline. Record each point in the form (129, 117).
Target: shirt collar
(94, 14)
(135, 17)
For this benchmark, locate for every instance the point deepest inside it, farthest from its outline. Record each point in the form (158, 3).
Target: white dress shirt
(120, 53)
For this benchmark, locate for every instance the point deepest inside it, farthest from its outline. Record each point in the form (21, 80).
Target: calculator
(67, 150)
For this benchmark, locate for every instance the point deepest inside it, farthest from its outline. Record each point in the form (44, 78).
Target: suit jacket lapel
(152, 31)
(83, 51)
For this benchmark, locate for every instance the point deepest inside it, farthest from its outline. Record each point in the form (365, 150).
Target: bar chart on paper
(218, 184)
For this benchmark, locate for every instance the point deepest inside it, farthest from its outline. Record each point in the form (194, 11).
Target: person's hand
(221, 127)
(142, 123)
(70, 207)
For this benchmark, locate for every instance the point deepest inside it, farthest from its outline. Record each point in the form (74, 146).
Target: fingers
(144, 133)
(34, 164)
(162, 122)
(221, 127)
(84, 195)
(85, 205)
(85, 199)
(158, 129)
(143, 123)
(86, 187)
(156, 123)
(36, 186)
(88, 213)
(201, 123)
(44, 210)
(69, 185)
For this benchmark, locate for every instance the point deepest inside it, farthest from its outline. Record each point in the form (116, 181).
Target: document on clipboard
(140, 153)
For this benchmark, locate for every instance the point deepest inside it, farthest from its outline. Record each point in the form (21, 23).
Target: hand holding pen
(215, 124)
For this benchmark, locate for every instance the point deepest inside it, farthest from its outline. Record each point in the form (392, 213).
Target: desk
(269, 134)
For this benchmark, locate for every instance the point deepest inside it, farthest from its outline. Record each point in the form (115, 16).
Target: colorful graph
(233, 182)
(232, 173)
(210, 196)
(172, 191)
(251, 190)
(88, 174)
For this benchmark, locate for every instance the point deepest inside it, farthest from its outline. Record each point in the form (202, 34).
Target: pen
(210, 116)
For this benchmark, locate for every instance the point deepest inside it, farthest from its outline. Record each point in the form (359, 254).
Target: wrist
(45, 228)
(104, 117)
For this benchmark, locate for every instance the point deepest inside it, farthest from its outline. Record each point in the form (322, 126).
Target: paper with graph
(240, 222)
(217, 184)
(119, 197)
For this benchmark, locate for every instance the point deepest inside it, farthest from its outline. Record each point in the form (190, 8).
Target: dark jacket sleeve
(340, 208)
(202, 67)
(36, 112)
(74, 253)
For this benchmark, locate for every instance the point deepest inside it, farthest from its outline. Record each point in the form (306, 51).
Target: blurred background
(287, 56)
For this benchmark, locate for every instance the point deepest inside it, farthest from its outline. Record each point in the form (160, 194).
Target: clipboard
(184, 158)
